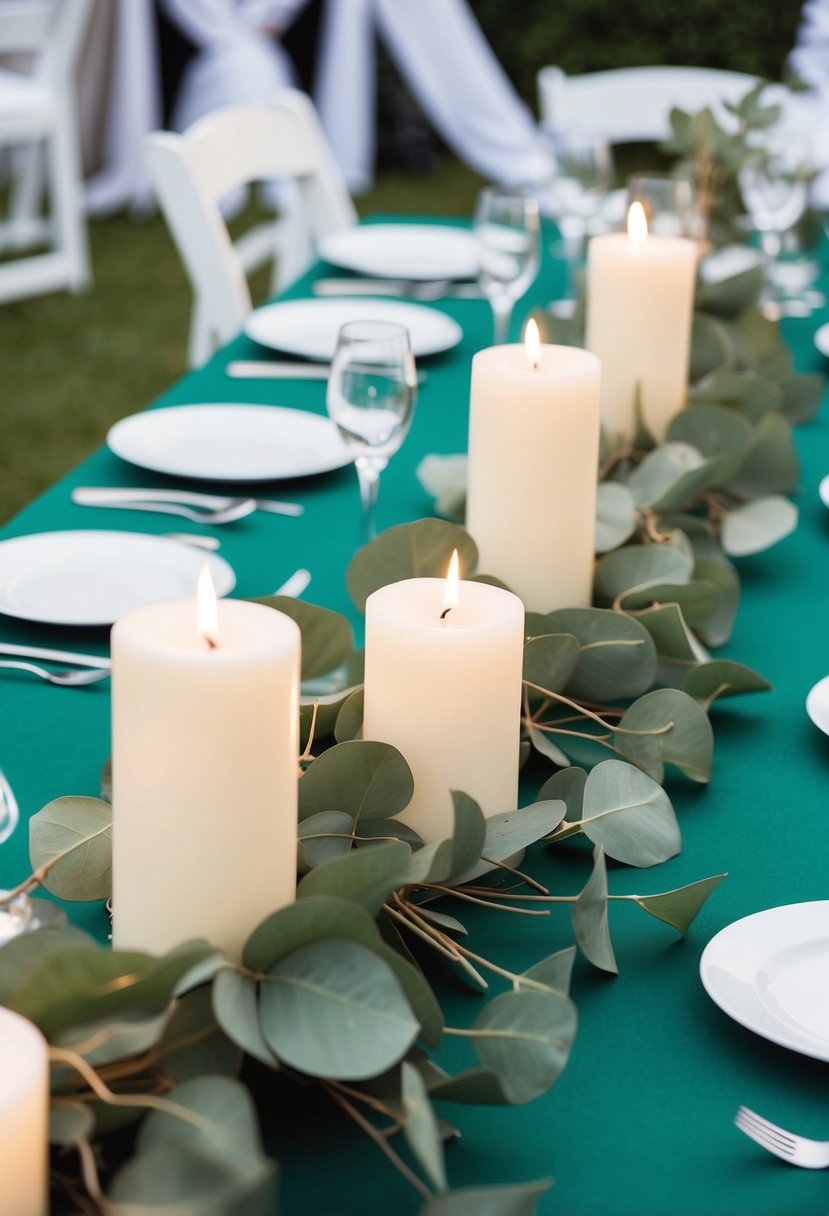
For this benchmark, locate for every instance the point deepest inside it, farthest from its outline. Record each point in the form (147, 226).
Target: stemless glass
(508, 230)
(773, 188)
(371, 395)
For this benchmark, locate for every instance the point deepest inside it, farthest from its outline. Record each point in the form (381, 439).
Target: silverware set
(200, 508)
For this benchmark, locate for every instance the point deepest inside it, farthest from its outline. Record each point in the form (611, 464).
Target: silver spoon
(63, 679)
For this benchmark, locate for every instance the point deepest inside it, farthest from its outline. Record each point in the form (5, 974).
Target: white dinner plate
(310, 327)
(822, 343)
(403, 251)
(230, 442)
(92, 578)
(770, 973)
(817, 705)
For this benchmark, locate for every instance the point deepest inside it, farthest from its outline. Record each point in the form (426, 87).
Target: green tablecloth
(641, 1120)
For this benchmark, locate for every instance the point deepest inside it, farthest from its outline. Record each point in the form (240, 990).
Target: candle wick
(211, 644)
(445, 613)
(536, 365)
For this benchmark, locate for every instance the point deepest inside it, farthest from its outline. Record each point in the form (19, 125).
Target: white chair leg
(64, 170)
(26, 225)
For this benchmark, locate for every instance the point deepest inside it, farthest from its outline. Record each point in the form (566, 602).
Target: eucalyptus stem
(531, 882)
(307, 754)
(375, 1103)
(89, 1171)
(587, 713)
(379, 1139)
(439, 941)
(472, 899)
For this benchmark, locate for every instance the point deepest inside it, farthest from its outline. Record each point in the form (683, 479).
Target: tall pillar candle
(640, 305)
(24, 1117)
(446, 692)
(205, 747)
(533, 468)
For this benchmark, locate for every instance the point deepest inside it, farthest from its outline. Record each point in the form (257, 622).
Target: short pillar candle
(24, 1117)
(533, 470)
(640, 306)
(205, 769)
(444, 688)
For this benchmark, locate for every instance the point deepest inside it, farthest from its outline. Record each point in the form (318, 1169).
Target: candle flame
(207, 611)
(637, 225)
(532, 344)
(450, 595)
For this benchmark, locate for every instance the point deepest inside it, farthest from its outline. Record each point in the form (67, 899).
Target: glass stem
(501, 314)
(368, 475)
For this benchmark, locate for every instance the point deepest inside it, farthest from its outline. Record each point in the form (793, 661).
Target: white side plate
(310, 327)
(230, 442)
(822, 343)
(817, 704)
(403, 251)
(770, 973)
(92, 578)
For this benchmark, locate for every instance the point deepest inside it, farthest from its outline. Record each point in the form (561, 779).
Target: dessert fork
(797, 1150)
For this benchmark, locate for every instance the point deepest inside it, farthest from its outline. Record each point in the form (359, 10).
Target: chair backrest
(228, 148)
(631, 104)
(50, 29)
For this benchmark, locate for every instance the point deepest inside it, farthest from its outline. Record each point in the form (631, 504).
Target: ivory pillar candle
(24, 1116)
(205, 747)
(640, 303)
(533, 468)
(447, 694)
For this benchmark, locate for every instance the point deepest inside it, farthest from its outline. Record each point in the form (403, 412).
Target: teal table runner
(641, 1120)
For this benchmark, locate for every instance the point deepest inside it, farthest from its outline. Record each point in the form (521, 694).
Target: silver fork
(797, 1150)
(62, 679)
(236, 508)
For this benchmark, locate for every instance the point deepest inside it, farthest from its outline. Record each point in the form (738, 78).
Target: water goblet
(583, 176)
(668, 202)
(507, 228)
(773, 188)
(371, 395)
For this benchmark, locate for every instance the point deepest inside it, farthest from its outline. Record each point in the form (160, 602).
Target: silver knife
(406, 289)
(93, 496)
(53, 656)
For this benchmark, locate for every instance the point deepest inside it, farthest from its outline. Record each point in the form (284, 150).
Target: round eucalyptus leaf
(715, 432)
(78, 831)
(349, 723)
(555, 971)
(70, 1122)
(334, 1009)
(513, 831)
(227, 1122)
(669, 476)
(672, 637)
(417, 550)
(679, 907)
(420, 1127)
(770, 464)
(363, 778)
(697, 598)
(114, 1039)
(680, 734)
(715, 629)
(549, 662)
(365, 876)
(569, 787)
(802, 395)
(431, 864)
(193, 1044)
(235, 1004)
(538, 625)
(617, 657)
(543, 743)
(757, 525)
(299, 924)
(697, 531)
(327, 637)
(615, 515)
(722, 678)
(325, 836)
(712, 347)
(189, 1179)
(472, 1087)
(590, 925)
(25, 953)
(525, 1038)
(636, 566)
(369, 830)
(729, 296)
(422, 1000)
(755, 338)
(747, 393)
(324, 720)
(629, 815)
(468, 834)
(519, 1200)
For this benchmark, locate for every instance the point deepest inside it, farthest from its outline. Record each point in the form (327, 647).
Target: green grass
(73, 365)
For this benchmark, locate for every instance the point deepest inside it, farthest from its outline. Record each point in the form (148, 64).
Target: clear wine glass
(668, 202)
(371, 395)
(508, 230)
(583, 177)
(773, 187)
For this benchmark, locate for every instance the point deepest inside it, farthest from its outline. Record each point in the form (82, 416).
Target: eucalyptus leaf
(365, 876)
(629, 815)
(235, 1004)
(715, 431)
(615, 515)
(511, 832)
(327, 637)
(550, 661)
(416, 550)
(770, 464)
(569, 787)
(754, 337)
(679, 907)
(747, 393)
(712, 347)
(715, 629)
(349, 723)
(25, 954)
(225, 1122)
(722, 678)
(684, 737)
(306, 921)
(472, 1087)
(104, 1041)
(757, 525)
(697, 598)
(335, 1009)
(639, 566)
(590, 925)
(555, 971)
(325, 837)
(422, 1000)
(525, 1038)
(543, 744)
(670, 476)
(802, 395)
(617, 657)
(193, 1043)
(74, 837)
(518, 1200)
(450, 923)
(322, 711)
(364, 778)
(420, 1127)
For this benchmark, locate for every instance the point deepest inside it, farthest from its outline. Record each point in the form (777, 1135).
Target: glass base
(25, 915)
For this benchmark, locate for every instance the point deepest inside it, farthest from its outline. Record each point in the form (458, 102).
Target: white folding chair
(629, 105)
(38, 121)
(231, 147)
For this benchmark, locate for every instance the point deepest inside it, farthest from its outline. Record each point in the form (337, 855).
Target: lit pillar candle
(205, 767)
(640, 305)
(443, 685)
(24, 1115)
(533, 457)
